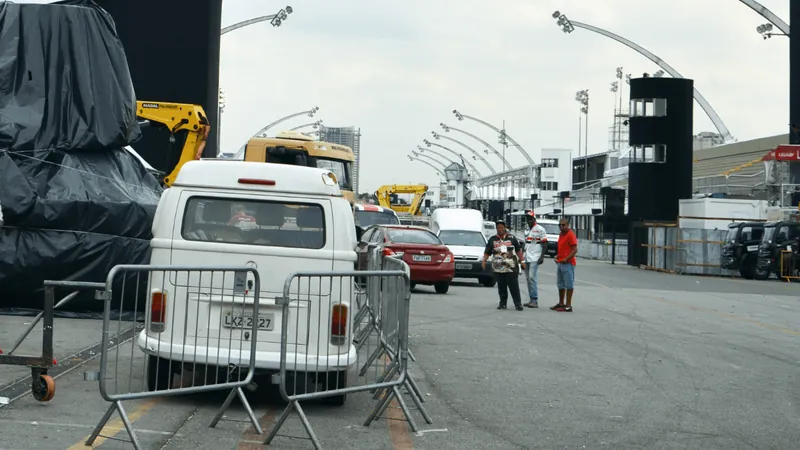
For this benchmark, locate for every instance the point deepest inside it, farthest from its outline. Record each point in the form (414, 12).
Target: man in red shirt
(565, 262)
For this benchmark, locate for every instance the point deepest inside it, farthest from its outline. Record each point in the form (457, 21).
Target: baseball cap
(500, 222)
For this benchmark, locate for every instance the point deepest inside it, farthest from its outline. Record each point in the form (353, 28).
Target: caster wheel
(44, 388)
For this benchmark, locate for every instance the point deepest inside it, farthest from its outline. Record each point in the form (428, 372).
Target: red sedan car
(430, 261)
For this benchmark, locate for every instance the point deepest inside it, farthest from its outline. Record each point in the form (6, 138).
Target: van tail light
(158, 311)
(339, 324)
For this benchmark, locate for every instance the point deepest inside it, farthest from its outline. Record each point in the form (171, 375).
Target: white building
(554, 173)
(457, 178)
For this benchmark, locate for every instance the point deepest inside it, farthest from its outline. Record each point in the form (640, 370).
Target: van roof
(374, 208)
(258, 176)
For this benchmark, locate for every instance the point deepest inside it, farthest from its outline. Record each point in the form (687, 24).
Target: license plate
(463, 266)
(421, 258)
(263, 322)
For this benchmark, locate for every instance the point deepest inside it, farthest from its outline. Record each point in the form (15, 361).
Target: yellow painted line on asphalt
(113, 427)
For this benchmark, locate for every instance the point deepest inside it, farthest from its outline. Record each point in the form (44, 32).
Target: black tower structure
(173, 54)
(660, 171)
(794, 72)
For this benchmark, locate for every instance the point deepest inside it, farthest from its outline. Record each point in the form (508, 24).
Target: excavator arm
(384, 194)
(177, 117)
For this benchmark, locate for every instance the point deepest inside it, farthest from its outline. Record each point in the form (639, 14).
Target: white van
(489, 229)
(367, 215)
(553, 231)
(277, 218)
(461, 230)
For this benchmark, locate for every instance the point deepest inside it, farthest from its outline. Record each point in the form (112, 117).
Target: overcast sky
(396, 69)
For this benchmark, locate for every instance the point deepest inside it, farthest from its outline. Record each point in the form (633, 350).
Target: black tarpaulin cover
(64, 79)
(71, 216)
(75, 202)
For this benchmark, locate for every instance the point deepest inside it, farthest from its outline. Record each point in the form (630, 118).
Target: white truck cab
(462, 231)
(278, 218)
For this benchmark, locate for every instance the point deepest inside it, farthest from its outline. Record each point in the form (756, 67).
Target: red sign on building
(784, 153)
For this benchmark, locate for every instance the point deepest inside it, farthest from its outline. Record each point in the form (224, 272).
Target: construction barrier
(199, 335)
(364, 352)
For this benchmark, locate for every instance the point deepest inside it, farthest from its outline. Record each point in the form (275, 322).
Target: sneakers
(532, 304)
(561, 308)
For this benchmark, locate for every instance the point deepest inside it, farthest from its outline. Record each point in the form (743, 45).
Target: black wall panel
(172, 48)
(794, 71)
(655, 188)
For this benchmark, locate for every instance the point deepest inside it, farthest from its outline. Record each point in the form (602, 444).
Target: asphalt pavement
(647, 360)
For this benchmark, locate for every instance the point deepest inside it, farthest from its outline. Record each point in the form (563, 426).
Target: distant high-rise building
(349, 136)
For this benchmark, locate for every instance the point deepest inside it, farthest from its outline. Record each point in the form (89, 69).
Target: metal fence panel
(202, 328)
(366, 353)
(700, 252)
(661, 246)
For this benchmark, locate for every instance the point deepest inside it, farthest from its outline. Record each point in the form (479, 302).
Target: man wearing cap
(535, 240)
(506, 253)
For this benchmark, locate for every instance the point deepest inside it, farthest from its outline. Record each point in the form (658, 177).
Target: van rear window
(267, 223)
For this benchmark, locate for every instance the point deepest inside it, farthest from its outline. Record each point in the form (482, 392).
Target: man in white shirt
(535, 242)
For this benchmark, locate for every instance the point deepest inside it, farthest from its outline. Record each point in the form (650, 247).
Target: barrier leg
(413, 385)
(383, 404)
(380, 407)
(371, 360)
(117, 405)
(293, 405)
(418, 402)
(279, 423)
(307, 426)
(237, 393)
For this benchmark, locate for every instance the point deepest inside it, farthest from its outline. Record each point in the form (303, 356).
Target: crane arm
(179, 117)
(384, 194)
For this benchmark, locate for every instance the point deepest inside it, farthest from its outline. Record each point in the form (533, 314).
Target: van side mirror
(359, 233)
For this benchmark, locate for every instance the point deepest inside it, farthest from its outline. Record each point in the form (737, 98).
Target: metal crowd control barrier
(319, 357)
(43, 387)
(201, 326)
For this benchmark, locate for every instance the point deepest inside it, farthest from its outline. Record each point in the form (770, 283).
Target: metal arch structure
(764, 12)
(312, 124)
(424, 150)
(522, 150)
(518, 182)
(262, 132)
(474, 152)
(432, 159)
(458, 155)
(447, 128)
(276, 19)
(438, 171)
(707, 108)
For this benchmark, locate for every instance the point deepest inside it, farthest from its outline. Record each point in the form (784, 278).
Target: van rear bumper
(265, 360)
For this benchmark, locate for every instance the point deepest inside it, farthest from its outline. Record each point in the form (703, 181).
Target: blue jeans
(565, 276)
(532, 277)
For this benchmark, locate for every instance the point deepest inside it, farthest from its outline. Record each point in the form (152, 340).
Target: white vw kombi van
(278, 218)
